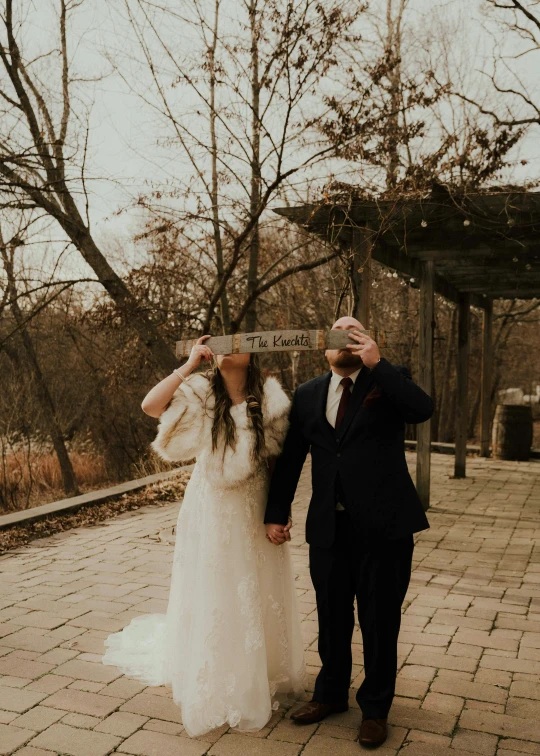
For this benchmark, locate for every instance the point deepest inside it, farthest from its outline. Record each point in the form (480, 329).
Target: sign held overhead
(278, 341)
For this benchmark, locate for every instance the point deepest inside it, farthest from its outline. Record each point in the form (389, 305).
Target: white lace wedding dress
(230, 640)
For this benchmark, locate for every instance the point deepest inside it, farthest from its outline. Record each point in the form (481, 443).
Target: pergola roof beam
(486, 244)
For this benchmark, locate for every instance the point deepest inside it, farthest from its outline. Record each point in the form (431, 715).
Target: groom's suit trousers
(375, 571)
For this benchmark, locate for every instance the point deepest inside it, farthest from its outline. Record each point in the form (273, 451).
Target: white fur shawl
(184, 430)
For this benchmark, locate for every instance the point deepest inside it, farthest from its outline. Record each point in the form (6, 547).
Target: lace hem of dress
(139, 652)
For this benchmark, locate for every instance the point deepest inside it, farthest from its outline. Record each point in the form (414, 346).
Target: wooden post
(361, 277)
(487, 368)
(425, 378)
(462, 404)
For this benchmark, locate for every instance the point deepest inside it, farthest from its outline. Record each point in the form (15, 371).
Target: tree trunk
(475, 410)
(255, 196)
(393, 58)
(216, 225)
(499, 345)
(75, 228)
(43, 395)
(434, 385)
(446, 376)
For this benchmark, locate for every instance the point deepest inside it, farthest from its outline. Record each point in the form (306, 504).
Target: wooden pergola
(470, 249)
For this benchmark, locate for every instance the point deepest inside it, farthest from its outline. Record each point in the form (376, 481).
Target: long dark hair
(223, 424)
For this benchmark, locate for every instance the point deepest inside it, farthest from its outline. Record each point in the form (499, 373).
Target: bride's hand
(199, 352)
(276, 534)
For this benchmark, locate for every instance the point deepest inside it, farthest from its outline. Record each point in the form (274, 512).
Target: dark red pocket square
(373, 396)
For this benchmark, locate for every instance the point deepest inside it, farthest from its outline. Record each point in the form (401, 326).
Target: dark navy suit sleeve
(287, 470)
(414, 405)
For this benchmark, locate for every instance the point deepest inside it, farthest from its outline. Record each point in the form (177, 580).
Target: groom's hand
(278, 534)
(365, 348)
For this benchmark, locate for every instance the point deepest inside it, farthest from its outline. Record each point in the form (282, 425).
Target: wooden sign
(278, 341)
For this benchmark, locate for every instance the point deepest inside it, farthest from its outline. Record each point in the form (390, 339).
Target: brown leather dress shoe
(314, 712)
(372, 732)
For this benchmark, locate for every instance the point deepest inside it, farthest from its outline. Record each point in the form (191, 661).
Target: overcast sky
(124, 150)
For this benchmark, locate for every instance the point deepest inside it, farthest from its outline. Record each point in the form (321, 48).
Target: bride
(230, 640)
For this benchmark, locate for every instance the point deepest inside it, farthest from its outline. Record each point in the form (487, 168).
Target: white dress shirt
(335, 389)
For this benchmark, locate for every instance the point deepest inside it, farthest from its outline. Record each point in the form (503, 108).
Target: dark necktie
(344, 401)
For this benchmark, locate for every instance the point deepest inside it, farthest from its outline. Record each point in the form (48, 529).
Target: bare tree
(519, 49)
(42, 163)
(46, 403)
(244, 124)
(397, 114)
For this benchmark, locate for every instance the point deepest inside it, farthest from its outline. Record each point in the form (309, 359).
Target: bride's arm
(183, 419)
(157, 399)
(271, 463)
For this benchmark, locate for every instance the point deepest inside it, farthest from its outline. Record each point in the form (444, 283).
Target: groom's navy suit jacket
(364, 459)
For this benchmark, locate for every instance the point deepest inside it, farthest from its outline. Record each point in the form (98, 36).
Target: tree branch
(273, 281)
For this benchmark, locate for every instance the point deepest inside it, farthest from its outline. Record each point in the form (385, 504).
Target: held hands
(278, 534)
(365, 348)
(199, 353)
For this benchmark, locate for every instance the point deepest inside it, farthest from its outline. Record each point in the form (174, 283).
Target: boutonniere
(373, 396)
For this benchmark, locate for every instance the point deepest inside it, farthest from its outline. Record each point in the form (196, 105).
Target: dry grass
(26, 483)
(152, 464)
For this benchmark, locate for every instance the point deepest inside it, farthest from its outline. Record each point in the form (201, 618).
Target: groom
(363, 512)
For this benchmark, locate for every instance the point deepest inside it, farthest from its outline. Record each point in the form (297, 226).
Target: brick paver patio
(469, 680)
